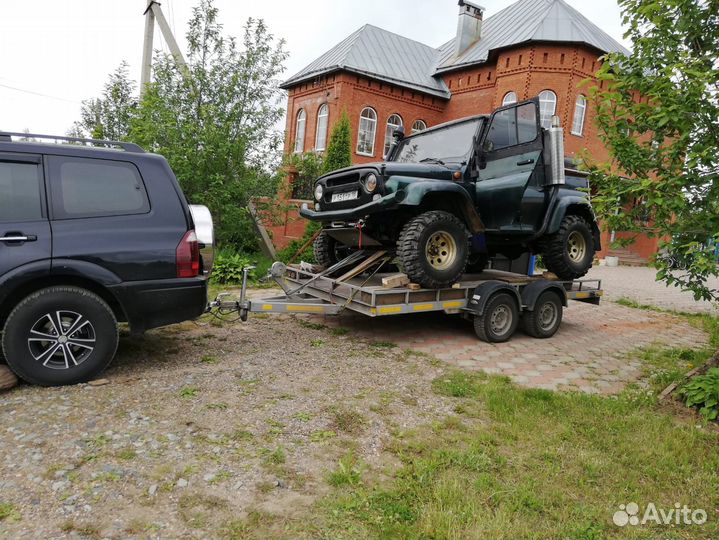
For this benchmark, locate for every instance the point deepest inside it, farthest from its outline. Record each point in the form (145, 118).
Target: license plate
(344, 196)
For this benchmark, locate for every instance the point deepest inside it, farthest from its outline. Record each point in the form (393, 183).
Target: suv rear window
(84, 187)
(20, 191)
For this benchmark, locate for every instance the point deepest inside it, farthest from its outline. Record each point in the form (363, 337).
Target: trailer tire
(498, 320)
(569, 252)
(433, 248)
(544, 320)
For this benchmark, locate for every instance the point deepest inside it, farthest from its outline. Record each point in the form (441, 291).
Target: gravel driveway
(201, 425)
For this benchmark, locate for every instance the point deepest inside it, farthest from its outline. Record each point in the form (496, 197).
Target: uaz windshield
(451, 144)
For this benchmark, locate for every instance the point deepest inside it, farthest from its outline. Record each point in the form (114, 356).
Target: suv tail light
(187, 256)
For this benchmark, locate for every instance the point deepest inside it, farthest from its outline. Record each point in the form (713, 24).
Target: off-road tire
(540, 323)
(485, 325)
(412, 248)
(556, 249)
(21, 328)
(324, 250)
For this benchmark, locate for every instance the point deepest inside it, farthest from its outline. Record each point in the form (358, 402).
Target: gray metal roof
(381, 55)
(390, 57)
(529, 20)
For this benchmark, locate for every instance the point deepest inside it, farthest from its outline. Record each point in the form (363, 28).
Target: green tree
(108, 117)
(216, 121)
(657, 113)
(339, 150)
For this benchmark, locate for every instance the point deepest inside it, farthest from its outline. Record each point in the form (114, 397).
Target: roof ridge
(400, 36)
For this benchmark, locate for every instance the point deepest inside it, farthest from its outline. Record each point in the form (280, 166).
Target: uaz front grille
(343, 179)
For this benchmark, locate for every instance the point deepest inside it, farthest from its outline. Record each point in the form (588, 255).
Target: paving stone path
(594, 350)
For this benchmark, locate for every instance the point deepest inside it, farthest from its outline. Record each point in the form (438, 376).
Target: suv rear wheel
(433, 249)
(570, 251)
(60, 335)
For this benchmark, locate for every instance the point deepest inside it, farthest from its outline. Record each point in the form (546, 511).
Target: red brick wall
(526, 70)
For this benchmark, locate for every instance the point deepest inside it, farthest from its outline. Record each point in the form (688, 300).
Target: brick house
(530, 48)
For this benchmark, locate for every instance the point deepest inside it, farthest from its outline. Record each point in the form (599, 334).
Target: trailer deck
(489, 297)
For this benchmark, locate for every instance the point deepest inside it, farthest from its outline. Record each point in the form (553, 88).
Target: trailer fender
(482, 293)
(533, 290)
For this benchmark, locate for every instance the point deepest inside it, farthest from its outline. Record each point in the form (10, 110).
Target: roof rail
(6, 136)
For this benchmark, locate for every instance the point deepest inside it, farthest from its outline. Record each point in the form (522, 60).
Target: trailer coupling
(293, 301)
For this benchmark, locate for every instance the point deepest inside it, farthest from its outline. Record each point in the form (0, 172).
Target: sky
(56, 53)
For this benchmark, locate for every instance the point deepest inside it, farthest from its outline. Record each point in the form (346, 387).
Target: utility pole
(153, 13)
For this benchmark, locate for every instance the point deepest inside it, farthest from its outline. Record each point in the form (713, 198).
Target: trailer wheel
(543, 322)
(499, 320)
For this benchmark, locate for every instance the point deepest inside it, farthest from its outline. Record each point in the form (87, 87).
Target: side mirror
(398, 134)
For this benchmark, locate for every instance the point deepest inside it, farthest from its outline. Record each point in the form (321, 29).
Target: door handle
(18, 237)
(525, 162)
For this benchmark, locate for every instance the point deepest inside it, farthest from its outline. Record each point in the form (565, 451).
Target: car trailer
(497, 301)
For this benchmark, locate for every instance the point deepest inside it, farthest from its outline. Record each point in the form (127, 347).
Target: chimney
(469, 26)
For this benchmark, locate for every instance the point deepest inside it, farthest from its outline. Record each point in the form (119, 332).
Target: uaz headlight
(318, 192)
(370, 182)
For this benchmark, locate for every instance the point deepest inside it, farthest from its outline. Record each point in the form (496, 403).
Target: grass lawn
(522, 463)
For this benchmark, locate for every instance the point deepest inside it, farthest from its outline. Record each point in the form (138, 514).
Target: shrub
(339, 150)
(703, 392)
(228, 267)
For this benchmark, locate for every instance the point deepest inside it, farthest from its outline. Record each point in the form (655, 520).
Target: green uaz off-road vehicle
(449, 198)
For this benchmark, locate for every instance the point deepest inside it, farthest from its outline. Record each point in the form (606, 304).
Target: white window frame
(580, 112)
(389, 130)
(547, 97)
(415, 129)
(300, 125)
(509, 98)
(323, 114)
(366, 124)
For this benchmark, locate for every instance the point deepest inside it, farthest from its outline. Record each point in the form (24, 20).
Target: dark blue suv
(92, 233)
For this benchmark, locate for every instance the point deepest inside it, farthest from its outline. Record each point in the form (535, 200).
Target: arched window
(321, 134)
(547, 107)
(580, 109)
(300, 131)
(419, 125)
(366, 132)
(509, 98)
(393, 122)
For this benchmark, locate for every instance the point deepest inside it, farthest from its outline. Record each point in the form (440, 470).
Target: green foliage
(108, 117)
(228, 267)
(309, 167)
(339, 150)
(657, 114)
(703, 392)
(215, 121)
